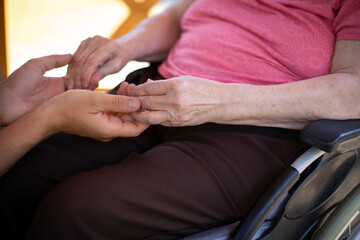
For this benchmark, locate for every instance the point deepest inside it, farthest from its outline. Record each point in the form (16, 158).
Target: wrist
(238, 103)
(46, 116)
(126, 50)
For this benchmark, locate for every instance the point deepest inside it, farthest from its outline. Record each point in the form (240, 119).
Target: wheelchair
(317, 197)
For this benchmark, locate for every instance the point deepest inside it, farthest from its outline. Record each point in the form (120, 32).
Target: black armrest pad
(140, 76)
(333, 135)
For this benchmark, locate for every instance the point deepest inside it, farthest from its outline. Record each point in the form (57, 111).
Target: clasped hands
(179, 101)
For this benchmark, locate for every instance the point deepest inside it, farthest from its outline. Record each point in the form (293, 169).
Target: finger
(69, 83)
(154, 102)
(72, 66)
(79, 63)
(125, 117)
(50, 62)
(83, 45)
(93, 85)
(97, 58)
(122, 88)
(150, 117)
(56, 86)
(118, 128)
(74, 71)
(117, 103)
(130, 89)
(152, 88)
(113, 126)
(94, 81)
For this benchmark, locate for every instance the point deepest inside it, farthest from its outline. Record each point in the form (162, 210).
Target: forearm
(292, 105)
(21, 136)
(153, 38)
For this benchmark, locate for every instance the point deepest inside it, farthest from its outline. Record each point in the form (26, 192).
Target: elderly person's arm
(184, 101)
(151, 40)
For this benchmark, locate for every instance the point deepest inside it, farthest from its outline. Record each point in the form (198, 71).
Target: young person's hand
(26, 88)
(93, 114)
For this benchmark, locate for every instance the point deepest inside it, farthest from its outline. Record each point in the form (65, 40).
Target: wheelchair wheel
(355, 235)
(344, 222)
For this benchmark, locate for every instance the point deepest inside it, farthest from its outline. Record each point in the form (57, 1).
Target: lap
(195, 178)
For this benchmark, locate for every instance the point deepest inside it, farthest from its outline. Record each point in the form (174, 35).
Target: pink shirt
(261, 41)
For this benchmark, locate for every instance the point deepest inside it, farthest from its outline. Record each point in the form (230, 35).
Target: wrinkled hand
(26, 88)
(94, 114)
(95, 58)
(180, 101)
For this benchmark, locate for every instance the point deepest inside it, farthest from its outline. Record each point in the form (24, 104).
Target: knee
(68, 206)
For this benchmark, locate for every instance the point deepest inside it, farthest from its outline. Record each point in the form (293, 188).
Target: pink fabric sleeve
(347, 22)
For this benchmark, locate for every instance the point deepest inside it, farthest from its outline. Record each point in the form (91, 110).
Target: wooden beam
(3, 43)
(139, 10)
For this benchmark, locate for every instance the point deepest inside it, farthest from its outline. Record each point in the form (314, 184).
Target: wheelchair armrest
(140, 76)
(333, 135)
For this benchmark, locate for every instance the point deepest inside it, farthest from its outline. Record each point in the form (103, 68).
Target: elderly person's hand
(180, 101)
(95, 58)
(26, 88)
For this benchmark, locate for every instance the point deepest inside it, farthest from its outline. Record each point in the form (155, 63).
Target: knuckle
(92, 60)
(115, 103)
(79, 59)
(33, 62)
(147, 88)
(180, 104)
(83, 42)
(146, 102)
(180, 84)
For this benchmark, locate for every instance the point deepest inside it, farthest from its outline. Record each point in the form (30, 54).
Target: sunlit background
(38, 28)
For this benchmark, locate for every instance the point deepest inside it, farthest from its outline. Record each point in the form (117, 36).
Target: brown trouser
(164, 184)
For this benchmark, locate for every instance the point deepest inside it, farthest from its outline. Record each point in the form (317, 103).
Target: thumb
(53, 61)
(122, 104)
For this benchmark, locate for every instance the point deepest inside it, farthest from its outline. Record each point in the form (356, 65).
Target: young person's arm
(80, 112)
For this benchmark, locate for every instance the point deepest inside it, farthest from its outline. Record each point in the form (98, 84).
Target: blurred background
(35, 28)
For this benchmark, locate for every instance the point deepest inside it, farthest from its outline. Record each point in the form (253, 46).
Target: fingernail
(134, 105)
(149, 80)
